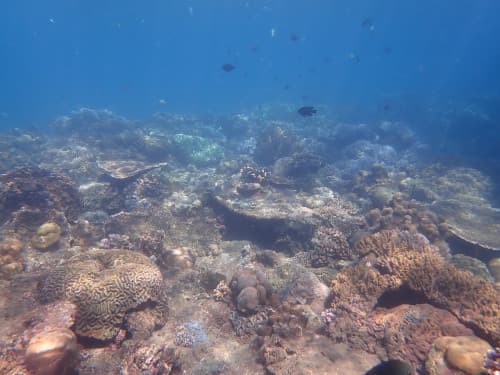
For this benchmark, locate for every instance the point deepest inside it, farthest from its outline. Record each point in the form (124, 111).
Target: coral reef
(406, 214)
(126, 170)
(400, 261)
(41, 340)
(10, 262)
(274, 143)
(31, 188)
(251, 289)
(105, 285)
(461, 353)
(196, 150)
(329, 246)
(52, 353)
(47, 235)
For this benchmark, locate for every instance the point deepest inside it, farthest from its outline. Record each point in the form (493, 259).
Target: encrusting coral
(105, 285)
(396, 260)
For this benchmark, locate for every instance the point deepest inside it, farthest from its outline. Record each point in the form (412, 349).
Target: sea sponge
(104, 285)
(395, 260)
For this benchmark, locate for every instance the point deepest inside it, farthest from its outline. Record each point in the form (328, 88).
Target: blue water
(137, 58)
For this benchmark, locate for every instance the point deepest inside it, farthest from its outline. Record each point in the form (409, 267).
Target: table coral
(104, 285)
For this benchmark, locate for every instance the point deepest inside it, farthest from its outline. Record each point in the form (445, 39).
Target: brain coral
(394, 260)
(104, 285)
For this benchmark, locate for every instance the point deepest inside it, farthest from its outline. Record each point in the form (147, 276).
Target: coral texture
(104, 285)
(397, 260)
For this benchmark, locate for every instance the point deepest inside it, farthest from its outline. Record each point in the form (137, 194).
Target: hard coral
(104, 285)
(52, 353)
(401, 261)
(274, 143)
(329, 245)
(47, 235)
(40, 189)
(10, 249)
(463, 353)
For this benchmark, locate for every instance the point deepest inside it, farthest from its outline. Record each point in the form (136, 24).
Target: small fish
(162, 101)
(273, 32)
(306, 111)
(391, 367)
(353, 57)
(51, 20)
(228, 67)
(387, 50)
(294, 37)
(367, 23)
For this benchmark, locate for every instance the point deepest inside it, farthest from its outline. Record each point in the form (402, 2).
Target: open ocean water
(249, 187)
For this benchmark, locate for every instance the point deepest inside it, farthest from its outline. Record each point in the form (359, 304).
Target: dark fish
(367, 23)
(294, 37)
(306, 111)
(391, 367)
(387, 50)
(354, 57)
(387, 107)
(227, 67)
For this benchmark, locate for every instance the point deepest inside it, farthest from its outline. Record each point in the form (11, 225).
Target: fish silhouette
(306, 111)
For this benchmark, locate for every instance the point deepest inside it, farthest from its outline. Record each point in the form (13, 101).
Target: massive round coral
(104, 285)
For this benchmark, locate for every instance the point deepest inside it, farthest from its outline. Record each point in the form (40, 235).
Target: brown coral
(401, 261)
(104, 284)
(329, 245)
(10, 264)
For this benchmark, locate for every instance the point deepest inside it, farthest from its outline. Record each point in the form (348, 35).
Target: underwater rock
(47, 235)
(52, 352)
(461, 353)
(104, 285)
(196, 150)
(126, 170)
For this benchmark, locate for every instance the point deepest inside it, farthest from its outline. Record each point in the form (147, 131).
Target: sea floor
(247, 244)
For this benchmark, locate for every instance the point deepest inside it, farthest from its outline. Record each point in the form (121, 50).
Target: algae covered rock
(47, 235)
(105, 285)
(197, 150)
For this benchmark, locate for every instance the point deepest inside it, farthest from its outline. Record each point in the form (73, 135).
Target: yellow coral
(104, 285)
